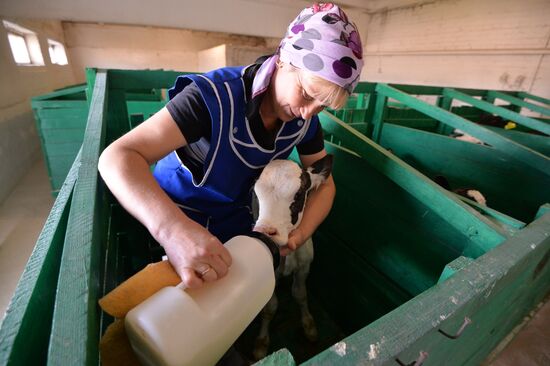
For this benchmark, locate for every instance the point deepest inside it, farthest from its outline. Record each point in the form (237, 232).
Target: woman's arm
(318, 205)
(124, 166)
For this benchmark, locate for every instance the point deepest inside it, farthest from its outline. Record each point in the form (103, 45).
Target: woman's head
(300, 93)
(322, 42)
(317, 65)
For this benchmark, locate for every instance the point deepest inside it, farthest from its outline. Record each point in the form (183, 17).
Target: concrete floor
(22, 216)
(24, 212)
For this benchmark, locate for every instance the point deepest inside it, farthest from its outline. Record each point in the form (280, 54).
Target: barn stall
(404, 269)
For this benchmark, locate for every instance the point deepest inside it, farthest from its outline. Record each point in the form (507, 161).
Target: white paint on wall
(491, 44)
(19, 143)
(140, 47)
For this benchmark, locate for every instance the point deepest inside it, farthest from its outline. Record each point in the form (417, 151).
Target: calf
(469, 193)
(281, 192)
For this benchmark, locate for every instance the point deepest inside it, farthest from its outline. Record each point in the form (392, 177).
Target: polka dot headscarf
(323, 41)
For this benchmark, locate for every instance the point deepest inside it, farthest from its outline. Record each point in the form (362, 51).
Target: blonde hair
(328, 93)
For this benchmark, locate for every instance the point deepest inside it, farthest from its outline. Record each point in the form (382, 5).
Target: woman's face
(292, 96)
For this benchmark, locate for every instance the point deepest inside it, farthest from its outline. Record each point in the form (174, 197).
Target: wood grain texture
(75, 328)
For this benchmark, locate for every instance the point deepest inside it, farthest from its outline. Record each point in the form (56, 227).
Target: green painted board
(70, 92)
(75, 329)
(453, 267)
(507, 146)
(503, 112)
(537, 143)
(279, 358)
(27, 321)
(494, 292)
(519, 102)
(536, 98)
(378, 256)
(401, 236)
(483, 232)
(467, 165)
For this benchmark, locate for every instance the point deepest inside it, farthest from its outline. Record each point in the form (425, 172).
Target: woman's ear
(320, 170)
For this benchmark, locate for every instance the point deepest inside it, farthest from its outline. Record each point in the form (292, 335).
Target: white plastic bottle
(177, 327)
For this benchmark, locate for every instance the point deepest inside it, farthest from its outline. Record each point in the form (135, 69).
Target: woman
(220, 129)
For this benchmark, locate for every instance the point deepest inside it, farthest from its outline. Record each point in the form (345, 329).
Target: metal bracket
(467, 321)
(419, 361)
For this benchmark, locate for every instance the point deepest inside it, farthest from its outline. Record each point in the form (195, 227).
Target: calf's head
(282, 190)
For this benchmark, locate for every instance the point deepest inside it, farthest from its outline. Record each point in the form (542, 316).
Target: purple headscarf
(323, 41)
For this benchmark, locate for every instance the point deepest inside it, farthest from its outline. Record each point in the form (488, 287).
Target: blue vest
(220, 199)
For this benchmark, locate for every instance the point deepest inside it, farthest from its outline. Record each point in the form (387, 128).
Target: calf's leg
(299, 292)
(262, 341)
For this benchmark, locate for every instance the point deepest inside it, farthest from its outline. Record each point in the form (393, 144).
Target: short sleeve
(189, 111)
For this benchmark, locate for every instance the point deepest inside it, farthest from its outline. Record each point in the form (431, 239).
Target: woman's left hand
(295, 240)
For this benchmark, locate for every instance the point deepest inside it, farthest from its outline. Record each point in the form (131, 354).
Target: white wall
(19, 143)
(494, 44)
(140, 47)
(490, 44)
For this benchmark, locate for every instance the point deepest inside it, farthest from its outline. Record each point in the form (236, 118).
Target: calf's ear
(320, 170)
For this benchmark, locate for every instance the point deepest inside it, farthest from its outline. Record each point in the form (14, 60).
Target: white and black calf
(469, 193)
(281, 192)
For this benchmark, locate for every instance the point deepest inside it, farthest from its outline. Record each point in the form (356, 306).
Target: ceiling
(267, 18)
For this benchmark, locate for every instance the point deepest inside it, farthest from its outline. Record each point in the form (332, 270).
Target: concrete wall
(492, 44)
(499, 44)
(19, 142)
(140, 47)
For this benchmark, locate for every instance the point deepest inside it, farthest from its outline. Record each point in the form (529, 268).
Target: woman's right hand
(196, 255)
(125, 168)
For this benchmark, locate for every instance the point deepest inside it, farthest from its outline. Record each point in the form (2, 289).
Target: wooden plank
(503, 112)
(64, 115)
(371, 295)
(467, 165)
(538, 143)
(143, 79)
(281, 357)
(519, 102)
(495, 292)
(364, 87)
(75, 328)
(511, 224)
(69, 104)
(118, 121)
(378, 117)
(399, 235)
(51, 136)
(543, 210)
(450, 269)
(445, 103)
(60, 93)
(64, 148)
(509, 147)
(536, 98)
(90, 82)
(27, 321)
(480, 230)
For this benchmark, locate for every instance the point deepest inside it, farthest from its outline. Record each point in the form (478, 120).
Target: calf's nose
(268, 230)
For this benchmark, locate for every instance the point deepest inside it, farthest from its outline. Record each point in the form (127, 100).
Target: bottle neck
(270, 244)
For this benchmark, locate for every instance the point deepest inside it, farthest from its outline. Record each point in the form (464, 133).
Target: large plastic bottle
(178, 326)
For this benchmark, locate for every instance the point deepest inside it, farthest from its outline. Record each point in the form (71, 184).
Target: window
(19, 48)
(57, 53)
(24, 44)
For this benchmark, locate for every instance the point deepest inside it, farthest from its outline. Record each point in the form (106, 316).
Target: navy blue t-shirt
(189, 111)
